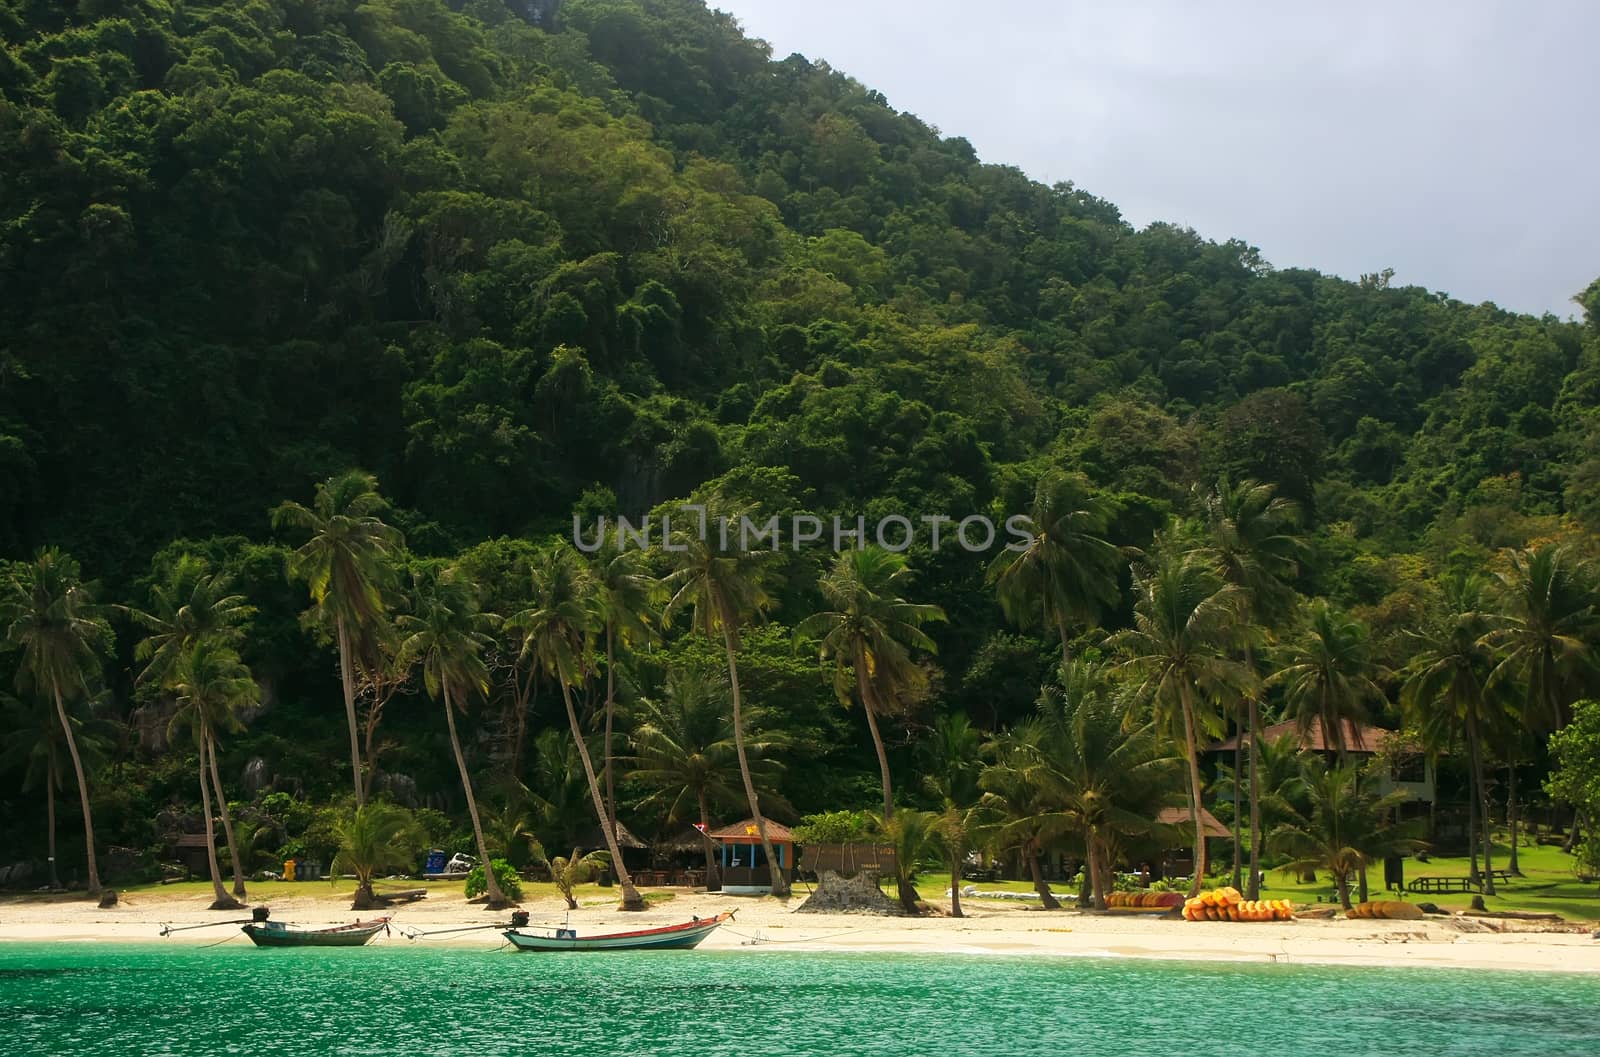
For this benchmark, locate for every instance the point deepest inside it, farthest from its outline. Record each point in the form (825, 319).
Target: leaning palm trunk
(347, 681)
(1254, 886)
(955, 883)
(631, 900)
(907, 893)
(227, 820)
(1483, 805)
(1512, 813)
(83, 791)
(50, 817)
(1238, 815)
(1047, 898)
(712, 880)
(780, 884)
(491, 886)
(1096, 878)
(611, 708)
(223, 900)
(1191, 745)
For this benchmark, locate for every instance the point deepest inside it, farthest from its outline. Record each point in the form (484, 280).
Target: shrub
(834, 827)
(504, 873)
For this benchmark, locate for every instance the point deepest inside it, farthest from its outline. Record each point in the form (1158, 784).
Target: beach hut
(743, 861)
(635, 852)
(1177, 860)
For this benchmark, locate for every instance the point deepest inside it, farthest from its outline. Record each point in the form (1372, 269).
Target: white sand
(767, 926)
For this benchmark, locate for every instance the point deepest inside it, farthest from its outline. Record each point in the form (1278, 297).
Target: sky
(1453, 142)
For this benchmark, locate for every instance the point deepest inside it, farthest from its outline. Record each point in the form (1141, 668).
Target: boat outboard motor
(519, 919)
(259, 914)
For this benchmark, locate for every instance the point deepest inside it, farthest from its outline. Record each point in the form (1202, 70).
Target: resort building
(742, 860)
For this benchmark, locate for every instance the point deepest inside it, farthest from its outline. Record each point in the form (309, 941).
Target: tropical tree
(1066, 572)
(374, 839)
(560, 793)
(570, 871)
(1251, 533)
(1327, 676)
(49, 617)
(1109, 776)
(1017, 811)
(683, 749)
(446, 635)
(722, 586)
(950, 761)
(188, 603)
(211, 685)
(625, 599)
(33, 745)
(869, 635)
(1545, 628)
(1185, 618)
(914, 836)
(555, 629)
(1347, 827)
(1450, 692)
(346, 563)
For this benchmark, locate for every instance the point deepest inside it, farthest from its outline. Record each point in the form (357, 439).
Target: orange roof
(1358, 737)
(776, 831)
(1180, 816)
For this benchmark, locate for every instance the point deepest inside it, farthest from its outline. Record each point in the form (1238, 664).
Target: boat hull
(356, 935)
(669, 938)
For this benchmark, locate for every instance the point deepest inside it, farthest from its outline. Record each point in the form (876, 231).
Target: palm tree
(915, 837)
(625, 600)
(191, 605)
(1066, 573)
(570, 871)
(1017, 811)
(1110, 778)
(554, 631)
(721, 587)
(49, 615)
(447, 636)
(1185, 619)
(376, 839)
(1546, 623)
(1450, 690)
(33, 746)
(1251, 534)
(951, 761)
(559, 789)
(869, 634)
(683, 748)
(187, 604)
(1347, 827)
(346, 563)
(1327, 676)
(211, 684)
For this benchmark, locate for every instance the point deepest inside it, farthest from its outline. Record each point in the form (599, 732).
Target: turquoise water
(404, 1000)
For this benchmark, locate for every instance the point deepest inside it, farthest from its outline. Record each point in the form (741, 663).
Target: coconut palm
(683, 749)
(1546, 618)
(1347, 826)
(1109, 777)
(721, 587)
(1186, 618)
(951, 761)
(915, 837)
(1251, 534)
(1450, 691)
(446, 636)
(570, 871)
(376, 839)
(1017, 811)
(49, 616)
(869, 635)
(33, 745)
(555, 630)
(560, 792)
(1066, 572)
(346, 563)
(211, 685)
(625, 597)
(187, 604)
(1327, 676)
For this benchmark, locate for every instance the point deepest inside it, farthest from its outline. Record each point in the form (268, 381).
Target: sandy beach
(766, 926)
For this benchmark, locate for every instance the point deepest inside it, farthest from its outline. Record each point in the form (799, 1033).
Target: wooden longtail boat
(679, 937)
(277, 934)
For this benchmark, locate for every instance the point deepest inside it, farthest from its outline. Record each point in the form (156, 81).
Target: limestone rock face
(859, 894)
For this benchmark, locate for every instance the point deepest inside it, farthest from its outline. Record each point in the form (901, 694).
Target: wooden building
(743, 862)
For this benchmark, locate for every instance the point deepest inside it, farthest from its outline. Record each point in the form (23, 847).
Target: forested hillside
(526, 259)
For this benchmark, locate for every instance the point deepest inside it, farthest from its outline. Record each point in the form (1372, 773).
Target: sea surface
(411, 1000)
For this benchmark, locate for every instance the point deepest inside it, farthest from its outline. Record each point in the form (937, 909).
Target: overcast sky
(1453, 142)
